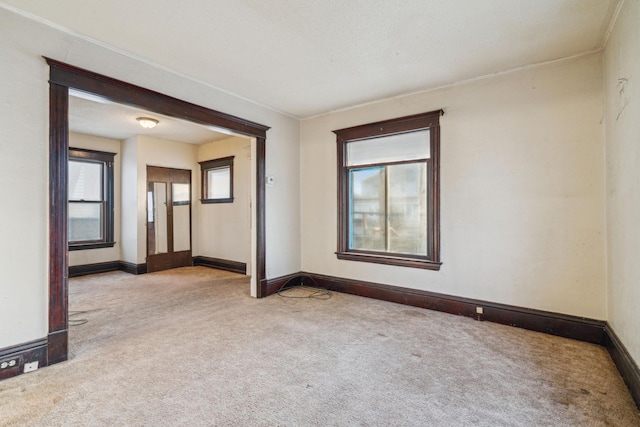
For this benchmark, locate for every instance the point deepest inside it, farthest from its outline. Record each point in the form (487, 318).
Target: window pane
(85, 181)
(181, 193)
(408, 208)
(85, 221)
(387, 149)
(219, 183)
(367, 209)
(150, 213)
(159, 227)
(181, 228)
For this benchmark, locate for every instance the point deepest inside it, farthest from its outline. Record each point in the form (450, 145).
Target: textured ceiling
(92, 115)
(307, 57)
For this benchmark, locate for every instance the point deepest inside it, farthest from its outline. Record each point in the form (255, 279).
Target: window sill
(207, 201)
(390, 260)
(83, 246)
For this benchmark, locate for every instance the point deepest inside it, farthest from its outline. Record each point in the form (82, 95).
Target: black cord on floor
(315, 292)
(77, 322)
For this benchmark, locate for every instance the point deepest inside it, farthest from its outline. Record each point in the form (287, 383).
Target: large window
(217, 180)
(90, 199)
(388, 192)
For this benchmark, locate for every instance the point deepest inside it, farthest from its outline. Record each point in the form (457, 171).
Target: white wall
(129, 201)
(522, 189)
(24, 115)
(622, 86)
(283, 238)
(225, 228)
(92, 256)
(23, 188)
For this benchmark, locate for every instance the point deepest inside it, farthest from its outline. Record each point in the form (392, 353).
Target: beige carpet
(189, 347)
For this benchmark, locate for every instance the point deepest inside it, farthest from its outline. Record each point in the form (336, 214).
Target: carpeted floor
(189, 347)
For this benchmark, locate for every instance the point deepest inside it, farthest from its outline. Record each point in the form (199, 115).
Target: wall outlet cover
(28, 367)
(7, 364)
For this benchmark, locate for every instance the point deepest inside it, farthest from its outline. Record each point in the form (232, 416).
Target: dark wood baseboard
(19, 355)
(104, 267)
(221, 264)
(101, 267)
(131, 268)
(627, 367)
(57, 346)
(271, 286)
(128, 267)
(563, 325)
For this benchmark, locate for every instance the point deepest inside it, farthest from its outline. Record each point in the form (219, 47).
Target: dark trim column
(58, 259)
(260, 216)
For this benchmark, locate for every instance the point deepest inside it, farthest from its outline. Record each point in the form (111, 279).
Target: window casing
(90, 213)
(388, 192)
(217, 180)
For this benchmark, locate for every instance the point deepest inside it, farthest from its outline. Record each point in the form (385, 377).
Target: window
(388, 192)
(90, 199)
(217, 180)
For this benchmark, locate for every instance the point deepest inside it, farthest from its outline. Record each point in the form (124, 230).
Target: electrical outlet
(479, 310)
(28, 367)
(8, 364)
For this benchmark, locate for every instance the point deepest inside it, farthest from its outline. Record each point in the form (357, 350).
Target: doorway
(63, 77)
(168, 218)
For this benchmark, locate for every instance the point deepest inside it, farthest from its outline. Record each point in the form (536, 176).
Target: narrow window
(90, 199)
(388, 193)
(217, 180)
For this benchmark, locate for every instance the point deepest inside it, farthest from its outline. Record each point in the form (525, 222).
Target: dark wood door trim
(137, 96)
(172, 258)
(63, 77)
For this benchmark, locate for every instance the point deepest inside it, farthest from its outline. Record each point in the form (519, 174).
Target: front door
(168, 218)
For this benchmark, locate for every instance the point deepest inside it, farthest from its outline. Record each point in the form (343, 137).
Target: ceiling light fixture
(147, 122)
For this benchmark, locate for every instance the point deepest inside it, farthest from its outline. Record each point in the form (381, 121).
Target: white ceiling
(307, 57)
(92, 115)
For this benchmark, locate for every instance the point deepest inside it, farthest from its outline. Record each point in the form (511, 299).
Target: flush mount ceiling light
(147, 122)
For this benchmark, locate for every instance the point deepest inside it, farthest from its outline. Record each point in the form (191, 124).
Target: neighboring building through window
(388, 192)
(217, 180)
(90, 199)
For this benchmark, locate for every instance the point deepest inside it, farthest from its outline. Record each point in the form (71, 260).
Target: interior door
(168, 218)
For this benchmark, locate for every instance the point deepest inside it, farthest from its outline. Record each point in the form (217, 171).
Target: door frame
(171, 258)
(63, 77)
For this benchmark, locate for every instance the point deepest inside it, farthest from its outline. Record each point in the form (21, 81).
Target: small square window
(218, 183)
(217, 180)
